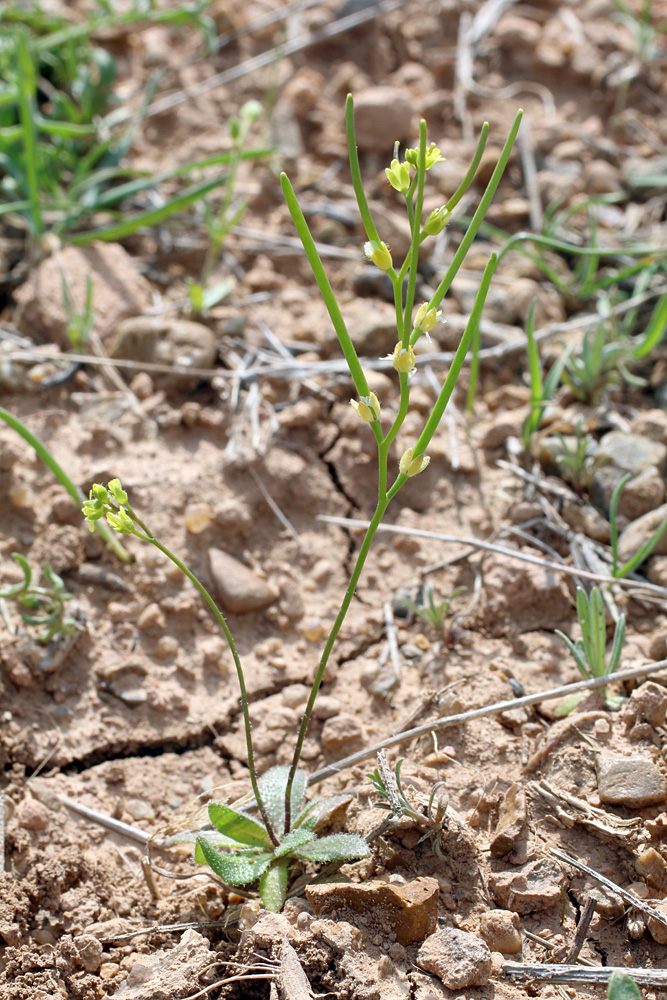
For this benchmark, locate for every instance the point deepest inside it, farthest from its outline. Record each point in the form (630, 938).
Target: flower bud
(409, 466)
(433, 156)
(117, 491)
(368, 407)
(100, 493)
(436, 221)
(92, 509)
(403, 358)
(379, 254)
(121, 522)
(426, 318)
(398, 175)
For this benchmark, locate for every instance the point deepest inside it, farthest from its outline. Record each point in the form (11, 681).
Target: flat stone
(456, 957)
(585, 519)
(503, 425)
(633, 781)
(340, 730)
(119, 291)
(382, 115)
(535, 886)
(165, 340)
(632, 452)
(651, 424)
(501, 931)
(167, 975)
(410, 911)
(512, 818)
(656, 571)
(640, 531)
(237, 587)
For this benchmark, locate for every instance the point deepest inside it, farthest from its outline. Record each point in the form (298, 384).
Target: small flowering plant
(243, 850)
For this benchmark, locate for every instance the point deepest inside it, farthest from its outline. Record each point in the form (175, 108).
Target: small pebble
(32, 815)
(197, 517)
(166, 646)
(150, 617)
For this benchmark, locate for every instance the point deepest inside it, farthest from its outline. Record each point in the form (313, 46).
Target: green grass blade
(617, 645)
(27, 89)
(642, 554)
(655, 331)
(130, 225)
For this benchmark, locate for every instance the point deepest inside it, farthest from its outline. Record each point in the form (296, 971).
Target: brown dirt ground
(152, 761)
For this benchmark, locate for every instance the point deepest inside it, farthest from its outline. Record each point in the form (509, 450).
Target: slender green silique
(77, 495)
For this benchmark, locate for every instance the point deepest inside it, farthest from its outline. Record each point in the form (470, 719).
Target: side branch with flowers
(242, 850)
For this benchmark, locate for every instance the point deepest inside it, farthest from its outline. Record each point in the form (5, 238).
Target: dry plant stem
(349, 522)
(581, 931)
(436, 725)
(149, 537)
(626, 896)
(590, 975)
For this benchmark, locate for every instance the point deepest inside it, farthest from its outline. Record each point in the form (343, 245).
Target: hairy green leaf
(293, 840)
(273, 886)
(272, 786)
(237, 869)
(336, 847)
(240, 828)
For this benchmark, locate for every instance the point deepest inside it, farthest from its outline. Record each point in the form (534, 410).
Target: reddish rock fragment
(409, 911)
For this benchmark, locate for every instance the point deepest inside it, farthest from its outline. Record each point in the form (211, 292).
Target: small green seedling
(579, 464)
(622, 987)
(590, 651)
(434, 614)
(431, 817)
(619, 571)
(596, 367)
(41, 607)
(250, 851)
(283, 835)
(80, 322)
(542, 388)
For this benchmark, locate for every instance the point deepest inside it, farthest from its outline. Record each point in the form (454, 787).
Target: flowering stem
(40, 448)
(148, 536)
(333, 635)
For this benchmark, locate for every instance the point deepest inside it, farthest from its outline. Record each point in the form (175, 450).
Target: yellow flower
(409, 466)
(379, 254)
(398, 175)
(403, 358)
(368, 407)
(121, 522)
(426, 318)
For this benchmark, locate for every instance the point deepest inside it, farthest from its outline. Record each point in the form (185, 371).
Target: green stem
(150, 537)
(333, 635)
(415, 223)
(77, 495)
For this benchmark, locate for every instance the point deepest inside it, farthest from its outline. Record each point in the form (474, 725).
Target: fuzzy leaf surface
(320, 810)
(272, 786)
(293, 840)
(273, 886)
(336, 847)
(238, 827)
(237, 869)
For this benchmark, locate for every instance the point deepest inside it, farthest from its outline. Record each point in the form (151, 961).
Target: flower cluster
(102, 503)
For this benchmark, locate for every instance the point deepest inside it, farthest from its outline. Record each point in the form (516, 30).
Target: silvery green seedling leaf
(272, 789)
(273, 886)
(622, 987)
(336, 847)
(320, 810)
(293, 840)
(237, 869)
(215, 840)
(240, 828)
